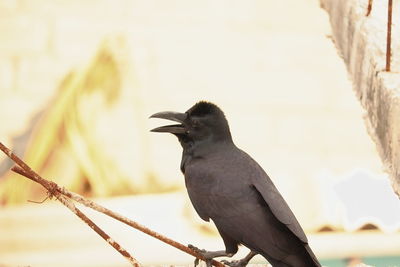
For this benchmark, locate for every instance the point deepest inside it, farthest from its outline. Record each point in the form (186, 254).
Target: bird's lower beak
(173, 116)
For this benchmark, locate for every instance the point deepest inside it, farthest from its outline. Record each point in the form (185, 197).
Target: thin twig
(89, 203)
(40, 202)
(52, 189)
(66, 202)
(389, 35)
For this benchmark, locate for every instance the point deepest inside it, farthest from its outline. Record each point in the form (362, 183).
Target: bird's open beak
(173, 116)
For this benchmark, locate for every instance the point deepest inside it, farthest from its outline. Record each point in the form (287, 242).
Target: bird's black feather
(227, 186)
(203, 108)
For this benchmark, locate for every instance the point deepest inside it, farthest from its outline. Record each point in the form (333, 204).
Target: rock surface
(361, 41)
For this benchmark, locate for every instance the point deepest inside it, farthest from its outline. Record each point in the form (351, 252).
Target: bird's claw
(196, 249)
(201, 252)
(235, 263)
(196, 262)
(208, 262)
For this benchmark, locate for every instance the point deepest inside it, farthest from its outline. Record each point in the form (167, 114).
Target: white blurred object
(368, 199)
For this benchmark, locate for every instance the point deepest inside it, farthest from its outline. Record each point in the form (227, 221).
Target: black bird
(227, 186)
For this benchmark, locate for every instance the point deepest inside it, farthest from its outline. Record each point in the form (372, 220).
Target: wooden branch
(54, 189)
(70, 205)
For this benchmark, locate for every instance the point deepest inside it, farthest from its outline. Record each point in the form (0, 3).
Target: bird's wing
(235, 194)
(213, 202)
(214, 191)
(278, 206)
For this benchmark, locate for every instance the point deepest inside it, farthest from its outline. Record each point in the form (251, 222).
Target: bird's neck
(201, 149)
(205, 147)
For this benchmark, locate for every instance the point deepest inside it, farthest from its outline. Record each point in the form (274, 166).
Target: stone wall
(361, 41)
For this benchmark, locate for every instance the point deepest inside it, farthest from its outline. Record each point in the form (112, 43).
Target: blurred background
(79, 79)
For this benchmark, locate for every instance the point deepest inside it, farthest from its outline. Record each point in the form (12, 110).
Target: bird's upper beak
(173, 116)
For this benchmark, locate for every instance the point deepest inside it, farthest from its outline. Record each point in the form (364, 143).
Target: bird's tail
(312, 256)
(305, 258)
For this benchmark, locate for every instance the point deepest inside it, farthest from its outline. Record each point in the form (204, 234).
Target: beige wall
(268, 64)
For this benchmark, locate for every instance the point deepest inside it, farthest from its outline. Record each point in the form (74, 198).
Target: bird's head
(204, 121)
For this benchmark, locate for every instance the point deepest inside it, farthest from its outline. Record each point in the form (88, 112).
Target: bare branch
(89, 203)
(53, 190)
(66, 202)
(56, 190)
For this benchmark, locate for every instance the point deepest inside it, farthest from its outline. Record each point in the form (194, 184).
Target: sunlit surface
(79, 80)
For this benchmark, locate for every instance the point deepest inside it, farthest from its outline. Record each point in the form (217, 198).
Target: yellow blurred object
(65, 144)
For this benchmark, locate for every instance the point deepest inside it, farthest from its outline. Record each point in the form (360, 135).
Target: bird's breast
(217, 190)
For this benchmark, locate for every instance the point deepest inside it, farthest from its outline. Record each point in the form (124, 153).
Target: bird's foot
(202, 252)
(236, 263)
(240, 263)
(196, 249)
(208, 255)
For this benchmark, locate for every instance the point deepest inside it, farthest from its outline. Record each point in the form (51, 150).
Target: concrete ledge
(361, 41)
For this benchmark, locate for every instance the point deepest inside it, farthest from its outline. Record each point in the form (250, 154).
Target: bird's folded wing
(279, 207)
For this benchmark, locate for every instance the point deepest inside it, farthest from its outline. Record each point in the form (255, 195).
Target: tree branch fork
(66, 197)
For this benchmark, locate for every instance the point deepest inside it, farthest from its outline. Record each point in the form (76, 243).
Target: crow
(227, 186)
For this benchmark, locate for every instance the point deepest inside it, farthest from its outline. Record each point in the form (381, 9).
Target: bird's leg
(241, 263)
(209, 255)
